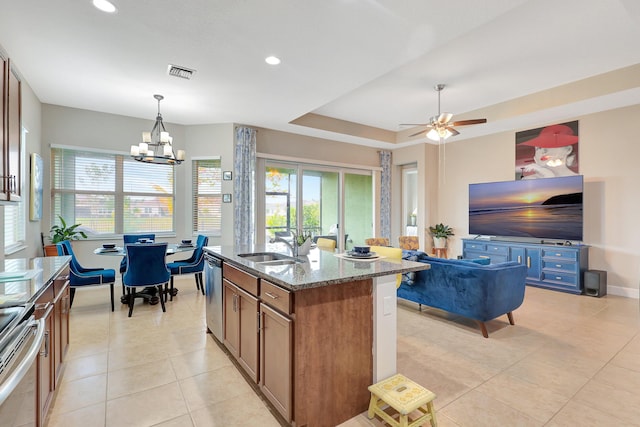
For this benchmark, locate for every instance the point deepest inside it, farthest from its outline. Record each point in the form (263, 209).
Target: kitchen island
(311, 335)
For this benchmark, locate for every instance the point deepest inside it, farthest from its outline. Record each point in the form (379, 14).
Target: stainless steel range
(21, 337)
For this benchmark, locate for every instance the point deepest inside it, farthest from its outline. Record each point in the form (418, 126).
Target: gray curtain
(385, 194)
(243, 185)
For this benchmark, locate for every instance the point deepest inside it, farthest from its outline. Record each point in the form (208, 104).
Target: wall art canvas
(548, 151)
(37, 178)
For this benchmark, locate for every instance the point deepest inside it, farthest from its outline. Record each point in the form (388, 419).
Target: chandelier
(156, 146)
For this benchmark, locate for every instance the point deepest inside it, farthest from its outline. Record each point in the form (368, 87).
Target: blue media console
(550, 266)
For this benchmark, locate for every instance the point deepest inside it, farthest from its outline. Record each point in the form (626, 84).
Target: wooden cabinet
(276, 347)
(10, 132)
(46, 387)
(240, 312)
(53, 307)
(556, 267)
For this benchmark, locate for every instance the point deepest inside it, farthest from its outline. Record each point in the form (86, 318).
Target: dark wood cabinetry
(53, 307)
(10, 131)
(240, 311)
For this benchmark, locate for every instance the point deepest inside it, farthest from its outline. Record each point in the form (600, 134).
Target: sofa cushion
(481, 261)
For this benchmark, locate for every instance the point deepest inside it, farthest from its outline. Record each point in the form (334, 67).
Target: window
(207, 196)
(111, 193)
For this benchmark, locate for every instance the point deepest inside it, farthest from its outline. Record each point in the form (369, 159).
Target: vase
(440, 242)
(304, 248)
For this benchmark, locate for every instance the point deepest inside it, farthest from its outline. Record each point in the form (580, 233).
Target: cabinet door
(275, 359)
(14, 120)
(61, 332)
(45, 362)
(531, 257)
(231, 318)
(249, 333)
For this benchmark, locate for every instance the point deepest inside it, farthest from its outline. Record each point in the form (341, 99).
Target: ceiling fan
(440, 127)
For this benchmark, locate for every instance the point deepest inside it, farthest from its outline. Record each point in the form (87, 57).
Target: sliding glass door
(317, 199)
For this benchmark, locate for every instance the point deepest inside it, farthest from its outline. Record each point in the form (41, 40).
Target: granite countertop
(319, 268)
(24, 280)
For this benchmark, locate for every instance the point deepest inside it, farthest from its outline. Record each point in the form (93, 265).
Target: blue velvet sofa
(467, 288)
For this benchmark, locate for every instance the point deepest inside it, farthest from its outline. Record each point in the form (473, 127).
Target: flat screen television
(546, 208)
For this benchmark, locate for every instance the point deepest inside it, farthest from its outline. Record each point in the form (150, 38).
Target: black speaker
(595, 283)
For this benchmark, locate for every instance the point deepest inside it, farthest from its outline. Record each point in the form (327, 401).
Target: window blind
(207, 196)
(111, 193)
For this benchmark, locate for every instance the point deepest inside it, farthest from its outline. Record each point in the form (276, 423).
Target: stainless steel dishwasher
(213, 292)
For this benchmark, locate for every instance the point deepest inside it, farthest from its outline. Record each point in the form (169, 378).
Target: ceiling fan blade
(469, 122)
(453, 131)
(413, 124)
(444, 118)
(417, 133)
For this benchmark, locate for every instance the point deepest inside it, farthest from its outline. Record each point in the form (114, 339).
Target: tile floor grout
(547, 370)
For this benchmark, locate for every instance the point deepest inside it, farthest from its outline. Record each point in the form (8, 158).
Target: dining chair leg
(72, 293)
(112, 303)
(130, 297)
(161, 299)
(199, 283)
(171, 289)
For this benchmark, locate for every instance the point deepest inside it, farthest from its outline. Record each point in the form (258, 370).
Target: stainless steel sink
(279, 262)
(270, 257)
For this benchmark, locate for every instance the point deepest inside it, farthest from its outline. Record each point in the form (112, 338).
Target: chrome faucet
(293, 245)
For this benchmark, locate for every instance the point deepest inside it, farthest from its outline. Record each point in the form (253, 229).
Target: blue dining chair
(146, 267)
(80, 276)
(132, 238)
(194, 264)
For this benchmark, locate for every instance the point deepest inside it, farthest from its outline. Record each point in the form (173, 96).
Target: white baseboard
(623, 292)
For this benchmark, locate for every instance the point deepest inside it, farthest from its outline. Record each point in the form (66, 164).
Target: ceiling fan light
(433, 135)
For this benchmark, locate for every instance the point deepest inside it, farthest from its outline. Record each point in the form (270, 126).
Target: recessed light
(272, 60)
(104, 5)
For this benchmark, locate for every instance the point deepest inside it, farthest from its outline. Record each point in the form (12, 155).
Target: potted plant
(440, 233)
(59, 233)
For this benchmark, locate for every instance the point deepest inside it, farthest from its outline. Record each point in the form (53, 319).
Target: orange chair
(409, 242)
(377, 241)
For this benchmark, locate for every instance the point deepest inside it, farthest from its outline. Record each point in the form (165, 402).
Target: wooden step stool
(405, 397)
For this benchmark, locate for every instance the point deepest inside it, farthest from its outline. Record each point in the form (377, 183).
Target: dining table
(149, 294)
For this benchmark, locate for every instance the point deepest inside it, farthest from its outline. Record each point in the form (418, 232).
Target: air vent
(182, 72)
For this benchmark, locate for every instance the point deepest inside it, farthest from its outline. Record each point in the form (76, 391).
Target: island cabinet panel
(240, 311)
(333, 362)
(276, 340)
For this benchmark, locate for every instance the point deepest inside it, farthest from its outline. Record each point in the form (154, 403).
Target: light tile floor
(569, 361)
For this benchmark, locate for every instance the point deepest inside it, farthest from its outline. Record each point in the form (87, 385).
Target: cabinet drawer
(559, 277)
(498, 249)
(475, 246)
(560, 253)
(276, 297)
(560, 265)
(242, 279)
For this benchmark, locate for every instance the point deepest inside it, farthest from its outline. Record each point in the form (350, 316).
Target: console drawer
(559, 277)
(560, 253)
(559, 265)
(498, 249)
(475, 246)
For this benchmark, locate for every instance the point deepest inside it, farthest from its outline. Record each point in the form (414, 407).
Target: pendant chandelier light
(157, 145)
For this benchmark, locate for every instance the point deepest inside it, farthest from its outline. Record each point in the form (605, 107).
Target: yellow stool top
(402, 394)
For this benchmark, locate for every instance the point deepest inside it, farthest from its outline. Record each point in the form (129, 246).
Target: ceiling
(352, 70)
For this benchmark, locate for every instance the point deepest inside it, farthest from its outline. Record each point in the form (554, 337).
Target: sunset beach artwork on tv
(549, 208)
